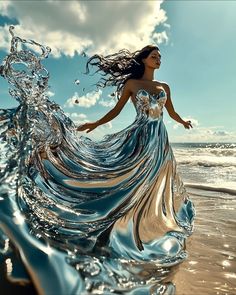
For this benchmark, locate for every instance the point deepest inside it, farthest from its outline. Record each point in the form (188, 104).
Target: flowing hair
(119, 67)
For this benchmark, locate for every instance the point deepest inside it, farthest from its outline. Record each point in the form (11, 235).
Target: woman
(141, 76)
(159, 205)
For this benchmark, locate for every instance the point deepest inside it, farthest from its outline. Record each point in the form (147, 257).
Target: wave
(204, 146)
(220, 152)
(212, 187)
(202, 158)
(206, 163)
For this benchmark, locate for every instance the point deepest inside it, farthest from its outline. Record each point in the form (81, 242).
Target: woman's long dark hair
(120, 66)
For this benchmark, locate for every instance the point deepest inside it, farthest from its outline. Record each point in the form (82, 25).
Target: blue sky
(197, 43)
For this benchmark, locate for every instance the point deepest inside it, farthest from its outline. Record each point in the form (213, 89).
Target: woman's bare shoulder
(164, 84)
(131, 84)
(131, 81)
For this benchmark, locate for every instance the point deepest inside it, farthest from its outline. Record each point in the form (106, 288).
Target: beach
(211, 265)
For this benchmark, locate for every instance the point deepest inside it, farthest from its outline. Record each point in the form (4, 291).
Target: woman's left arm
(171, 111)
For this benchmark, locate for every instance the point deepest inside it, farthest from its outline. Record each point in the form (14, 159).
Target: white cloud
(107, 103)
(160, 37)
(76, 116)
(4, 37)
(221, 133)
(94, 26)
(87, 100)
(50, 93)
(202, 134)
(4, 7)
(205, 134)
(166, 25)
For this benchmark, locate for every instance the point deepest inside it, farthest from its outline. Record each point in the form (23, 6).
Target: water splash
(82, 210)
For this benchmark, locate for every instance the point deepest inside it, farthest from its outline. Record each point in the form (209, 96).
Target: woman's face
(153, 60)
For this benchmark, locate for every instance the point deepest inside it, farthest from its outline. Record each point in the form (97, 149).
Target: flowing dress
(105, 213)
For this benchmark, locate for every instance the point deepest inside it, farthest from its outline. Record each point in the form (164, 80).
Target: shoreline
(210, 187)
(211, 264)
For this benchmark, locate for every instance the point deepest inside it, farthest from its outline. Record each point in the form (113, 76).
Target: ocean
(209, 166)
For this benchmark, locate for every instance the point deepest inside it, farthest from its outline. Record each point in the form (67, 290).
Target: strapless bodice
(150, 105)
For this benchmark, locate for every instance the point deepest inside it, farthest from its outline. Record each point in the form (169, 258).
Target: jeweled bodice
(150, 105)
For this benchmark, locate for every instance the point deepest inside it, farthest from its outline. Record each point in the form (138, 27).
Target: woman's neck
(148, 75)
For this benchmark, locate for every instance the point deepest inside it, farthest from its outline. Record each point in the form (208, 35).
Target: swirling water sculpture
(84, 216)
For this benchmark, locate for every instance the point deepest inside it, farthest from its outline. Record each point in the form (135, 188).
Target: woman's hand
(89, 126)
(187, 124)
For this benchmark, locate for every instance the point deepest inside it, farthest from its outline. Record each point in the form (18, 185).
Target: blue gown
(88, 207)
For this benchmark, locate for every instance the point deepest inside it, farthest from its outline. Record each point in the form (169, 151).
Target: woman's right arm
(126, 93)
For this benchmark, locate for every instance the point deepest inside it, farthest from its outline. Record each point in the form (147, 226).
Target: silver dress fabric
(82, 214)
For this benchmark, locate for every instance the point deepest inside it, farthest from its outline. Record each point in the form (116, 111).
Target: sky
(197, 44)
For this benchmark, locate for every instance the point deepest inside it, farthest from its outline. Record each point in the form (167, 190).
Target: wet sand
(211, 265)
